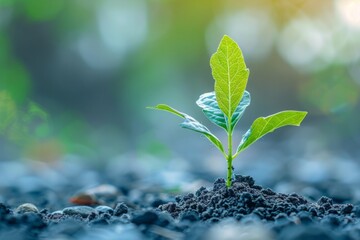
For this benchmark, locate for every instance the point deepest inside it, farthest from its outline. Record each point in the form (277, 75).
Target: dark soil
(245, 210)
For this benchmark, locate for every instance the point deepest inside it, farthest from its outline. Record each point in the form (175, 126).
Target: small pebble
(147, 218)
(26, 208)
(191, 216)
(56, 215)
(104, 209)
(83, 211)
(120, 209)
(94, 195)
(4, 210)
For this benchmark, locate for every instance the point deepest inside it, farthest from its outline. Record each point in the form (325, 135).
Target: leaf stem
(235, 155)
(229, 160)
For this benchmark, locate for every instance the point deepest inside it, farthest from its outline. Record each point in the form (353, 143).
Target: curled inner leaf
(210, 108)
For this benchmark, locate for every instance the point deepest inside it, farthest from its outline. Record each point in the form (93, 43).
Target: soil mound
(245, 198)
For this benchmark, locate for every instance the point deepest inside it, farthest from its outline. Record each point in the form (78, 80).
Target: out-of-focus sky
(76, 76)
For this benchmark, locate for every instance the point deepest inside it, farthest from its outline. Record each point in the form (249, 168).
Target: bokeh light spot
(253, 29)
(302, 43)
(349, 12)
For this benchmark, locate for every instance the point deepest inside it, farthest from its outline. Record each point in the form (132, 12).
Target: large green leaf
(192, 124)
(230, 73)
(263, 125)
(210, 108)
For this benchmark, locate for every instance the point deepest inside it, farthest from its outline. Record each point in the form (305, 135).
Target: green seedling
(225, 106)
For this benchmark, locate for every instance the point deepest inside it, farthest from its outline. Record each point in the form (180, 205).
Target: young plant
(225, 106)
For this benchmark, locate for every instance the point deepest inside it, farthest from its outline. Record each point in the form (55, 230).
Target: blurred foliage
(7, 111)
(42, 10)
(74, 135)
(22, 126)
(331, 91)
(15, 81)
(93, 66)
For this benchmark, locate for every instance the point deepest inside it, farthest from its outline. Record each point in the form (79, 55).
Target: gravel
(243, 211)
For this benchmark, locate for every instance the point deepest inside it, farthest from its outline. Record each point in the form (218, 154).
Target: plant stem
(229, 160)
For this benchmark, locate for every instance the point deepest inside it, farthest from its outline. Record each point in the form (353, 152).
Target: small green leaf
(167, 108)
(230, 73)
(264, 125)
(192, 124)
(210, 108)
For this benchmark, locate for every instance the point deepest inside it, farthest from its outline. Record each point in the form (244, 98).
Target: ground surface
(52, 205)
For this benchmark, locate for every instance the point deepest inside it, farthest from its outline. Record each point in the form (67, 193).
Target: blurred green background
(76, 76)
